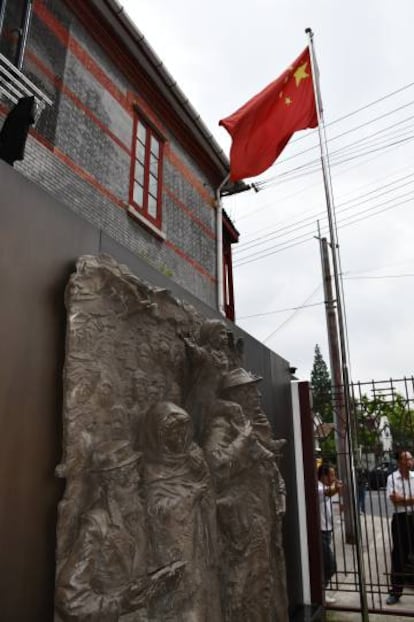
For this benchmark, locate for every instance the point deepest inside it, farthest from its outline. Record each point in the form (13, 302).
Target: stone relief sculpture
(181, 514)
(250, 499)
(174, 501)
(207, 361)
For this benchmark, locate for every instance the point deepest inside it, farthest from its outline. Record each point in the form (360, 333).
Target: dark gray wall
(40, 240)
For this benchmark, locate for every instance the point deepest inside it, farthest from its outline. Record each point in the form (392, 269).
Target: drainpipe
(219, 252)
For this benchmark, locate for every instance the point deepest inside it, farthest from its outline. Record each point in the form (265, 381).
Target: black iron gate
(382, 421)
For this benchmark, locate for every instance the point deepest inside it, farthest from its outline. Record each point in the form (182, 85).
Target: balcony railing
(14, 85)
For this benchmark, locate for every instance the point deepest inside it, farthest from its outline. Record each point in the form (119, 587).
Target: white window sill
(146, 223)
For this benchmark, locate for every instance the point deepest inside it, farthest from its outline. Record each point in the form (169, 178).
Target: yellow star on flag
(288, 101)
(300, 73)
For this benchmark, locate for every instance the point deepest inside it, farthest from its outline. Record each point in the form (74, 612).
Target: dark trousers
(329, 561)
(361, 498)
(402, 531)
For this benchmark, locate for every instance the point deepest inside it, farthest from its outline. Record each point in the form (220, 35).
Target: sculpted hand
(135, 594)
(260, 453)
(247, 429)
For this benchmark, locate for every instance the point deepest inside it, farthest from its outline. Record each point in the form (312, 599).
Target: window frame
(23, 30)
(151, 133)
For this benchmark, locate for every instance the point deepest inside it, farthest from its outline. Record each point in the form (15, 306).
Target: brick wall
(80, 151)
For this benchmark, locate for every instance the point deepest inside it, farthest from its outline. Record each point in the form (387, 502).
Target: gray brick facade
(80, 152)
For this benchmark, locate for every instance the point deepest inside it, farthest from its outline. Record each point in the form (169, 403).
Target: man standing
(400, 490)
(328, 486)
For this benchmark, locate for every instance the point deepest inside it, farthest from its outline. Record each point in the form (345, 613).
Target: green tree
(322, 403)
(321, 388)
(369, 411)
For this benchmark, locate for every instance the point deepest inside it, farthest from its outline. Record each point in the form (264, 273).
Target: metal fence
(382, 421)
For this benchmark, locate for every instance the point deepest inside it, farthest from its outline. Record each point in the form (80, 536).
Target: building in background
(115, 138)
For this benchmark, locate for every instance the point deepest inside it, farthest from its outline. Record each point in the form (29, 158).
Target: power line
(344, 223)
(346, 147)
(264, 182)
(379, 277)
(343, 220)
(348, 115)
(310, 220)
(293, 314)
(247, 317)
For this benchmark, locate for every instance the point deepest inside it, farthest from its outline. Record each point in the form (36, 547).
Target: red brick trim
(81, 54)
(211, 234)
(190, 177)
(94, 182)
(60, 85)
(63, 157)
(191, 261)
(58, 82)
(125, 100)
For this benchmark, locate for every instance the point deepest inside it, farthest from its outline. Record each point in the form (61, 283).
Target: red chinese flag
(262, 127)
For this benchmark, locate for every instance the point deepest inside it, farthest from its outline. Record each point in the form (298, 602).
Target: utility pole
(338, 396)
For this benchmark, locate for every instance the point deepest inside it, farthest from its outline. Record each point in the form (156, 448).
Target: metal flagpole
(340, 314)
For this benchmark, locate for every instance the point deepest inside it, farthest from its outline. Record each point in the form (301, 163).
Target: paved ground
(376, 546)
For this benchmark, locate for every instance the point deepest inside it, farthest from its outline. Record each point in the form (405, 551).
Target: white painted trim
(135, 214)
(300, 494)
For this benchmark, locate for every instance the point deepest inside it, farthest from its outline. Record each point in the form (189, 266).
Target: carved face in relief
(156, 388)
(176, 430)
(140, 386)
(247, 395)
(172, 427)
(214, 333)
(105, 391)
(80, 388)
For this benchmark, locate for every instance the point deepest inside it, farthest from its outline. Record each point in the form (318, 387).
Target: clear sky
(222, 53)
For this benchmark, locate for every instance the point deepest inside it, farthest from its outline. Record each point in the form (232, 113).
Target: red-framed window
(15, 16)
(145, 194)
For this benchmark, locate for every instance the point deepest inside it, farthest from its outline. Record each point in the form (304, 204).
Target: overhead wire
(378, 153)
(259, 184)
(305, 237)
(315, 215)
(293, 314)
(275, 311)
(305, 188)
(310, 220)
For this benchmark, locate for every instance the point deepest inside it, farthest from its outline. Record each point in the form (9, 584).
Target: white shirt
(325, 507)
(404, 487)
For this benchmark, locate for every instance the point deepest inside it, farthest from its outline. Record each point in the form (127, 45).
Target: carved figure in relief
(137, 537)
(241, 453)
(105, 574)
(181, 515)
(207, 362)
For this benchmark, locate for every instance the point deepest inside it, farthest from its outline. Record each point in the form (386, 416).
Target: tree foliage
(322, 403)
(369, 413)
(321, 387)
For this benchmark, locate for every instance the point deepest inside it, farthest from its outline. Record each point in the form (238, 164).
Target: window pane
(152, 206)
(153, 185)
(141, 132)
(155, 146)
(139, 172)
(140, 152)
(14, 18)
(154, 165)
(138, 194)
